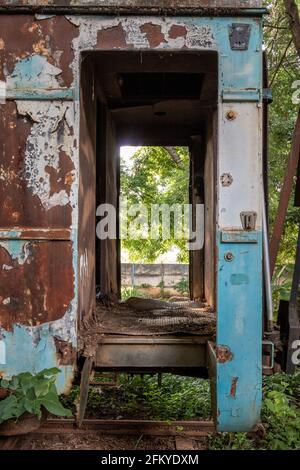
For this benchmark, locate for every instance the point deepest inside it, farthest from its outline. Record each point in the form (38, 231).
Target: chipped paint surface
(50, 140)
(36, 350)
(34, 67)
(223, 354)
(41, 275)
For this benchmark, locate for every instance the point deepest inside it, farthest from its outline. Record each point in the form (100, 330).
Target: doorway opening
(154, 182)
(165, 105)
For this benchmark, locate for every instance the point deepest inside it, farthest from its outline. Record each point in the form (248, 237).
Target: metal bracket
(267, 95)
(270, 344)
(248, 219)
(239, 36)
(84, 389)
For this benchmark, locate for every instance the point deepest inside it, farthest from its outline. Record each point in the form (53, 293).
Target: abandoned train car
(78, 80)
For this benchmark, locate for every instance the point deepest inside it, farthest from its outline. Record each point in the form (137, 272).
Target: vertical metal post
(267, 274)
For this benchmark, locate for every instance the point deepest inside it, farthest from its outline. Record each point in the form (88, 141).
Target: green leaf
(53, 405)
(25, 379)
(10, 407)
(53, 371)
(5, 383)
(28, 393)
(29, 405)
(14, 383)
(41, 388)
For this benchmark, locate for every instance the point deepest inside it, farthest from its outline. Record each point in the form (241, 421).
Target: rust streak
(233, 386)
(66, 354)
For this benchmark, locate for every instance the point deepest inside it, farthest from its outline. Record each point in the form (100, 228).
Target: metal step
(154, 353)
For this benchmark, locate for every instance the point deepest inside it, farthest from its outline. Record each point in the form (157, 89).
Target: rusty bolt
(231, 115)
(228, 256)
(223, 354)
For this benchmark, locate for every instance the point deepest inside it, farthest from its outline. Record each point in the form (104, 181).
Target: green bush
(183, 286)
(29, 393)
(280, 418)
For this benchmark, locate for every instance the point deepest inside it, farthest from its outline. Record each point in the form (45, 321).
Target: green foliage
(189, 398)
(29, 393)
(177, 398)
(283, 70)
(183, 286)
(127, 292)
(280, 417)
(154, 178)
(281, 284)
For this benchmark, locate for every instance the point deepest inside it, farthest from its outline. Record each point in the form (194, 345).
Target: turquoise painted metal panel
(239, 264)
(32, 350)
(239, 333)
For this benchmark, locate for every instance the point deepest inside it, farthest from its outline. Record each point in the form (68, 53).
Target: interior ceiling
(158, 98)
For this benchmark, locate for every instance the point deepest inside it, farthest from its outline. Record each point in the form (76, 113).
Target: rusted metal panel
(37, 282)
(87, 192)
(24, 36)
(38, 193)
(35, 192)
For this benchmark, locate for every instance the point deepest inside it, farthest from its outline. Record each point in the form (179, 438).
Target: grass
(189, 398)
(142, 397)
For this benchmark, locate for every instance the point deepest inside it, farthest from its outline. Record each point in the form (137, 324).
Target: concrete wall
(153, 274)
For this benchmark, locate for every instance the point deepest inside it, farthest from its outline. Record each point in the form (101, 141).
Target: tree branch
(174, 156)
(293, 17)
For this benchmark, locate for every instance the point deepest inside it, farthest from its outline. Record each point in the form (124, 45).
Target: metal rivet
(231, 115)
(228, 256)
(226, 179)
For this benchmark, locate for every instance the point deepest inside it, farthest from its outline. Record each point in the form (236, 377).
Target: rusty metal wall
(38, 194)
(40, 279)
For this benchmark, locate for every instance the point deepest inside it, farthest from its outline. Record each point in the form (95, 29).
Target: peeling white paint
(50, 133)
(40, 17)
(6, 267)
(198, 37)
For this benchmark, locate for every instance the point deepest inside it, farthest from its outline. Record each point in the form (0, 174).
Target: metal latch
(239, 35)
(267, 95)
(248, 219)
(271, 352)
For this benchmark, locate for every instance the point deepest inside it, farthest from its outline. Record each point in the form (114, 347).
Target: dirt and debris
(98, 441)
(145, 317)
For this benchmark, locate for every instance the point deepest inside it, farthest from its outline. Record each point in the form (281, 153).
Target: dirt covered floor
(146, 317)
(99, 441)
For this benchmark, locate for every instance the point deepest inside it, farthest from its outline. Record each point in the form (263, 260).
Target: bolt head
(230, 115)
(228, 256)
